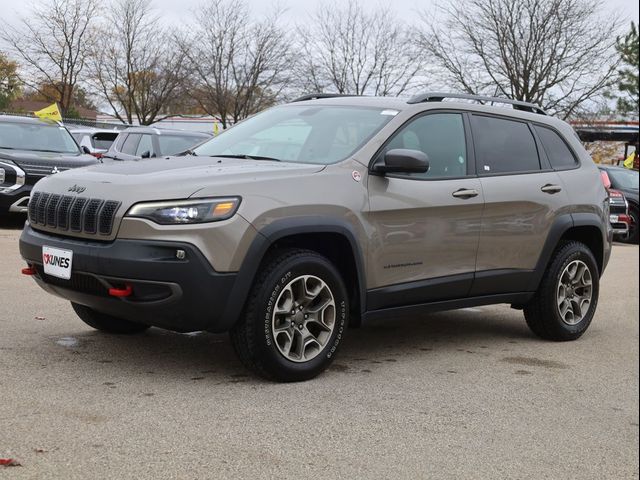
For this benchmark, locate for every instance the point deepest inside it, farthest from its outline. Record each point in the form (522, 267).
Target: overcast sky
(297, 10)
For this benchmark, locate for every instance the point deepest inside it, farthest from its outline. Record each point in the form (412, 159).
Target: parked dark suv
(150, 142)
(31, 149)
(324, 212)
(625, 181)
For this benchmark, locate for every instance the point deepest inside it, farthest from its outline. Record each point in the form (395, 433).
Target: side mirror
(146, 154)
(85, 149)
(402, 160)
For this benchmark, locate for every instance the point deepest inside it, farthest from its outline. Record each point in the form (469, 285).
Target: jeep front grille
(75, 214)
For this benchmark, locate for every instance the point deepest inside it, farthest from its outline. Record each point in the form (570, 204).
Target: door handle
(465, 193)
(551, 189)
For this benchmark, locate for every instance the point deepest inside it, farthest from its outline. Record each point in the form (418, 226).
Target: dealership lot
(463, 394)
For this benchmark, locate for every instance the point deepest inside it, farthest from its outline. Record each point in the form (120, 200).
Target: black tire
(252, 336)
(633, 230)
(107, 323)
(542, 312)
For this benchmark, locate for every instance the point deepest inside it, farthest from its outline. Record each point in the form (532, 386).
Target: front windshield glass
(300, 133)
(36, 137)
(625, 179)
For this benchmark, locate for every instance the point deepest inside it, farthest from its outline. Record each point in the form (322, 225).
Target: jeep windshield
(299, 133)
(37, 138)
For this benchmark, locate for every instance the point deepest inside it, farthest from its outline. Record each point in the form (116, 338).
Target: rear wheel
(564, 305)
(295, 317)
(107, 323)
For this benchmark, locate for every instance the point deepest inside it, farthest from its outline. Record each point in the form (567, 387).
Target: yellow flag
(52, 112)
(628, 163)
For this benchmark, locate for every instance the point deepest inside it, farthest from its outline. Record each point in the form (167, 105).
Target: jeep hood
(167, 177)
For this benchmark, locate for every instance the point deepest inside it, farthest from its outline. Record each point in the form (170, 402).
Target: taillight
(606, 181)
(616, 194)
(625, 219)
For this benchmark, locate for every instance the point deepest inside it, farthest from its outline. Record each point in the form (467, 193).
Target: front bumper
(176, 294)
(15, 201)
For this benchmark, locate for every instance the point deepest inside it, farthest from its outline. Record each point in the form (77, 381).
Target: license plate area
(57, 262)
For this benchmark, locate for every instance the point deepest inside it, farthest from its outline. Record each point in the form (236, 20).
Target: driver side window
(439, 135)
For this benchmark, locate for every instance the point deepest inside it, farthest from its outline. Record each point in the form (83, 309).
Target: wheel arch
(333, 238)
(582, 227)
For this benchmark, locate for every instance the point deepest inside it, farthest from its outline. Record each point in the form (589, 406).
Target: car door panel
(523, 197)
(421, 230)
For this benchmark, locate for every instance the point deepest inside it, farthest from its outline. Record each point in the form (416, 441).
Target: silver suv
(319, 214)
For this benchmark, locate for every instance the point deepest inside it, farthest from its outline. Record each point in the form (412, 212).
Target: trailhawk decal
(57, 262)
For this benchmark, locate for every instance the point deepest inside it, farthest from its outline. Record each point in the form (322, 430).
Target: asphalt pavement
(454, 395)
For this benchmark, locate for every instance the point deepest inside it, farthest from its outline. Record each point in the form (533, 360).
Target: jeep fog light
(178, 212)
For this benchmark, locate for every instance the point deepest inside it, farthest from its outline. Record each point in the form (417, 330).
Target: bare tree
(346, 49)
(53, 44)
(238, 66)
(138, 70)
(556, 53)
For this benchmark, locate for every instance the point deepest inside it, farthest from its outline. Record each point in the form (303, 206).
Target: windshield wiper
(248, 157)
(187, 152)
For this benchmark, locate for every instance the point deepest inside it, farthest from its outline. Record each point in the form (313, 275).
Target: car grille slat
(75, 215)
(91, 216)
(63, 212)
(33, 205)
(41, 208)
(107, 215)
(52, 210)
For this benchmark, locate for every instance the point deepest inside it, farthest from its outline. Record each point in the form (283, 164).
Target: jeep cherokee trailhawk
(325, 212)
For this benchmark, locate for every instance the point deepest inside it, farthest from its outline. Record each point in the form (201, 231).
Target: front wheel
(566, 300)
(295, 317)
(107, 323)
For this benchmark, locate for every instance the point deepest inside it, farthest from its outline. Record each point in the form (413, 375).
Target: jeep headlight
(180, 212)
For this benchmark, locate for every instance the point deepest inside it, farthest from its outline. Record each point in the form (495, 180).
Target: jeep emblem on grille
(76, 189)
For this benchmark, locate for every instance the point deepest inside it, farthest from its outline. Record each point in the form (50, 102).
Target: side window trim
(468, 144)
(120, 142)
(155, 142)
(515, 172)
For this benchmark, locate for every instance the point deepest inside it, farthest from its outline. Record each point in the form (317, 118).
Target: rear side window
(503, 146)
(103, 140)
(130, 144)
(556, 149)
(172, 144)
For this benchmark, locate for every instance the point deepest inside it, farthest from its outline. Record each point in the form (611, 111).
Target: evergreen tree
(628, 83)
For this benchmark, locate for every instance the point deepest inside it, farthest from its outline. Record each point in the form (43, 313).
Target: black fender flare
(270, 234)
(561, 225)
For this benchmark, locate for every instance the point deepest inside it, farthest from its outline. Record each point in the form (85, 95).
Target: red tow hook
(29, 271)
(121, 292)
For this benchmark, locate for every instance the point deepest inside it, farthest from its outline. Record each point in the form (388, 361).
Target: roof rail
(318, 96)
(438, 97)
